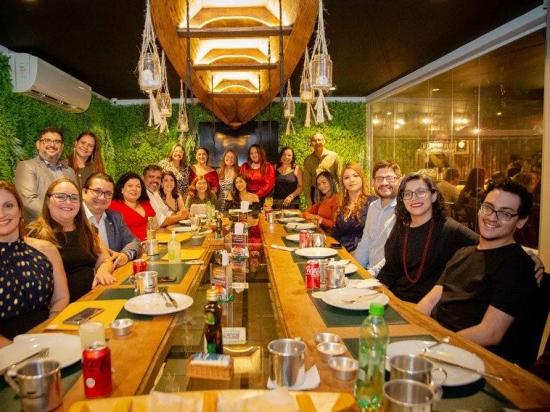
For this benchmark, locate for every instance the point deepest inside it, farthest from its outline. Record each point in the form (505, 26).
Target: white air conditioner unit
(42, 81)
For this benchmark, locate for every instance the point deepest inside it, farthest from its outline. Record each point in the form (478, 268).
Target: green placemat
(193, 241)
(302, 260)
(172, 270)
(335, 317)
(478, 395)
(122, 293)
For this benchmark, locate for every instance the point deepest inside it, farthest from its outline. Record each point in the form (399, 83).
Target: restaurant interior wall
(127, 142)
(483, 115)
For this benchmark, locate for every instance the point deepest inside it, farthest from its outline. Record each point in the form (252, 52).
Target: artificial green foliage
(128, 144)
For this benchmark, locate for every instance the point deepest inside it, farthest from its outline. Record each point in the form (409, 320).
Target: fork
(41, 354)
(167, 302)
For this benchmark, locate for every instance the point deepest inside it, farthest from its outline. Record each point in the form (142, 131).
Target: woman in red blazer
(259, 173)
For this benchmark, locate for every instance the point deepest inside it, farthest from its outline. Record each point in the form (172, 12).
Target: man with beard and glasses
(33, 176)
(487, 292)
(152, 175)
(380, 217)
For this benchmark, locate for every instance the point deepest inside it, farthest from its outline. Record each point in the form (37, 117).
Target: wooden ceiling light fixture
(232, 73)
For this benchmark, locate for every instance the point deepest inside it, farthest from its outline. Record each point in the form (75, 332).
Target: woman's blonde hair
(353, 210)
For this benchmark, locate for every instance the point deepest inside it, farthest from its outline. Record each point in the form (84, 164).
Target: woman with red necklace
(422, 240)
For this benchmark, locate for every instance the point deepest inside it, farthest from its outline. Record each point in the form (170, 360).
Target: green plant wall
(128, 144)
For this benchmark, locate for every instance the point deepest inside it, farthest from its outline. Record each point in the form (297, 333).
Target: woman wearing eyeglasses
(63, 222)
(422, 240)
(33, 283)
(86, 157)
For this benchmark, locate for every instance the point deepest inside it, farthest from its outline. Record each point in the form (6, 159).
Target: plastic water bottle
(373, 341)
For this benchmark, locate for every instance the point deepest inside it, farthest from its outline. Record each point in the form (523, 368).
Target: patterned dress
(226, 186)
(182, 175)
(26, 288)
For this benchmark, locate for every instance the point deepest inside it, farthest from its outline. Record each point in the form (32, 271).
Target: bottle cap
(376, 309)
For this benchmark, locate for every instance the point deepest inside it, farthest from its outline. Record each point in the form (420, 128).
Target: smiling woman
(63, 222)
(86, 157)
(33, 281)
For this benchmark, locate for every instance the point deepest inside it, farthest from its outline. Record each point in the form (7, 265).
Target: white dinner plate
(154, 304)
(353, 299)
(301, 226)
(293, 238)
(182, 229)
(234, 211)
(455, 376)
(292, 213)
(350, 268)
(64, 348)
(291, 219)
(316, 252)
(185, 221)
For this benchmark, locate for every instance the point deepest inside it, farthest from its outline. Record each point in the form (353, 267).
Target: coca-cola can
(139, 265)
(96, 370)
(313, 275)
(304, 239)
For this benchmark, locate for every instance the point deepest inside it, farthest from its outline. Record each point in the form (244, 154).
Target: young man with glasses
(487, 292)
(32, 177)
(97, 194)
(380, 217)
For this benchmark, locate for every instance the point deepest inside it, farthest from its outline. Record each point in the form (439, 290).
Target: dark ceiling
(372, 42)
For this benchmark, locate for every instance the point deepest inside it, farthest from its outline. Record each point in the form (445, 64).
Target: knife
(466, 368)
(172, 300)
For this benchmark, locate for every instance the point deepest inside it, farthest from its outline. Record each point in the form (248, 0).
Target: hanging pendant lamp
(183, 120)
(307, 94)
(289, 110)
(321, 69)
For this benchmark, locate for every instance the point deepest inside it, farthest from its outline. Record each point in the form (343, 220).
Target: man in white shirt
(380, 217)
(97, 193)
(152, 175)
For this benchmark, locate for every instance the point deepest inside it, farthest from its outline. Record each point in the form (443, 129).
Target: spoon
(444, 339)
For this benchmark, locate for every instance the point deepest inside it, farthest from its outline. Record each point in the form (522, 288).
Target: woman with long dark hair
(258, 172)
(288, 181)
(86, 157)
(131, 201)
(203, 169)
(33, 281)
(169, 192)
(422, 240)
(63, 222)
(325, 209)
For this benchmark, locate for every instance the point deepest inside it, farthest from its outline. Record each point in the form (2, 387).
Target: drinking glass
(195, 224)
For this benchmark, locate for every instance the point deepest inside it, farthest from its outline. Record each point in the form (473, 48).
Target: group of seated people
(81, 225)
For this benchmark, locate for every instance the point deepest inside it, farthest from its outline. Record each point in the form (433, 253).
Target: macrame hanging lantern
(183, 120)
(149, 70)
(321, 69)
(307, 93)
(289, 110)
(164, 101)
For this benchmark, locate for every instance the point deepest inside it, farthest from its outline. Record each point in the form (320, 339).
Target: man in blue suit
(97, 194)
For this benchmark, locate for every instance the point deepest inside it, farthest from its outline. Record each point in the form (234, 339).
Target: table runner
(478, 395)
(122, 293)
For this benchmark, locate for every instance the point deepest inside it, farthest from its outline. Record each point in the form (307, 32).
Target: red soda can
(304, 239)
(139, 265)
(96, 370)
(313, 274)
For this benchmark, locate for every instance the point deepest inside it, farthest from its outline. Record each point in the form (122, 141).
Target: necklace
(418, 275)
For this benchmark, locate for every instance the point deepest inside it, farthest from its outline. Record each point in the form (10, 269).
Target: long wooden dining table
(138, 358)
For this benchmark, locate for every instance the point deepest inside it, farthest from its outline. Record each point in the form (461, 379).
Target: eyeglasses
(63, 197)
(52, 142)
(389, 179)
(418, 193)
(98, 193)
(487, 210)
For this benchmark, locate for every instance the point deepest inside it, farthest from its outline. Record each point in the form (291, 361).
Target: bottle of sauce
(212, 323)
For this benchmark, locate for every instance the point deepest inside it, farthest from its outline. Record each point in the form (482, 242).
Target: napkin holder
(210, 366)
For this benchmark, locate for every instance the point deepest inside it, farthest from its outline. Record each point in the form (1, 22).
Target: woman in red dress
(201, 168)
(131, 201)
(259, 173)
